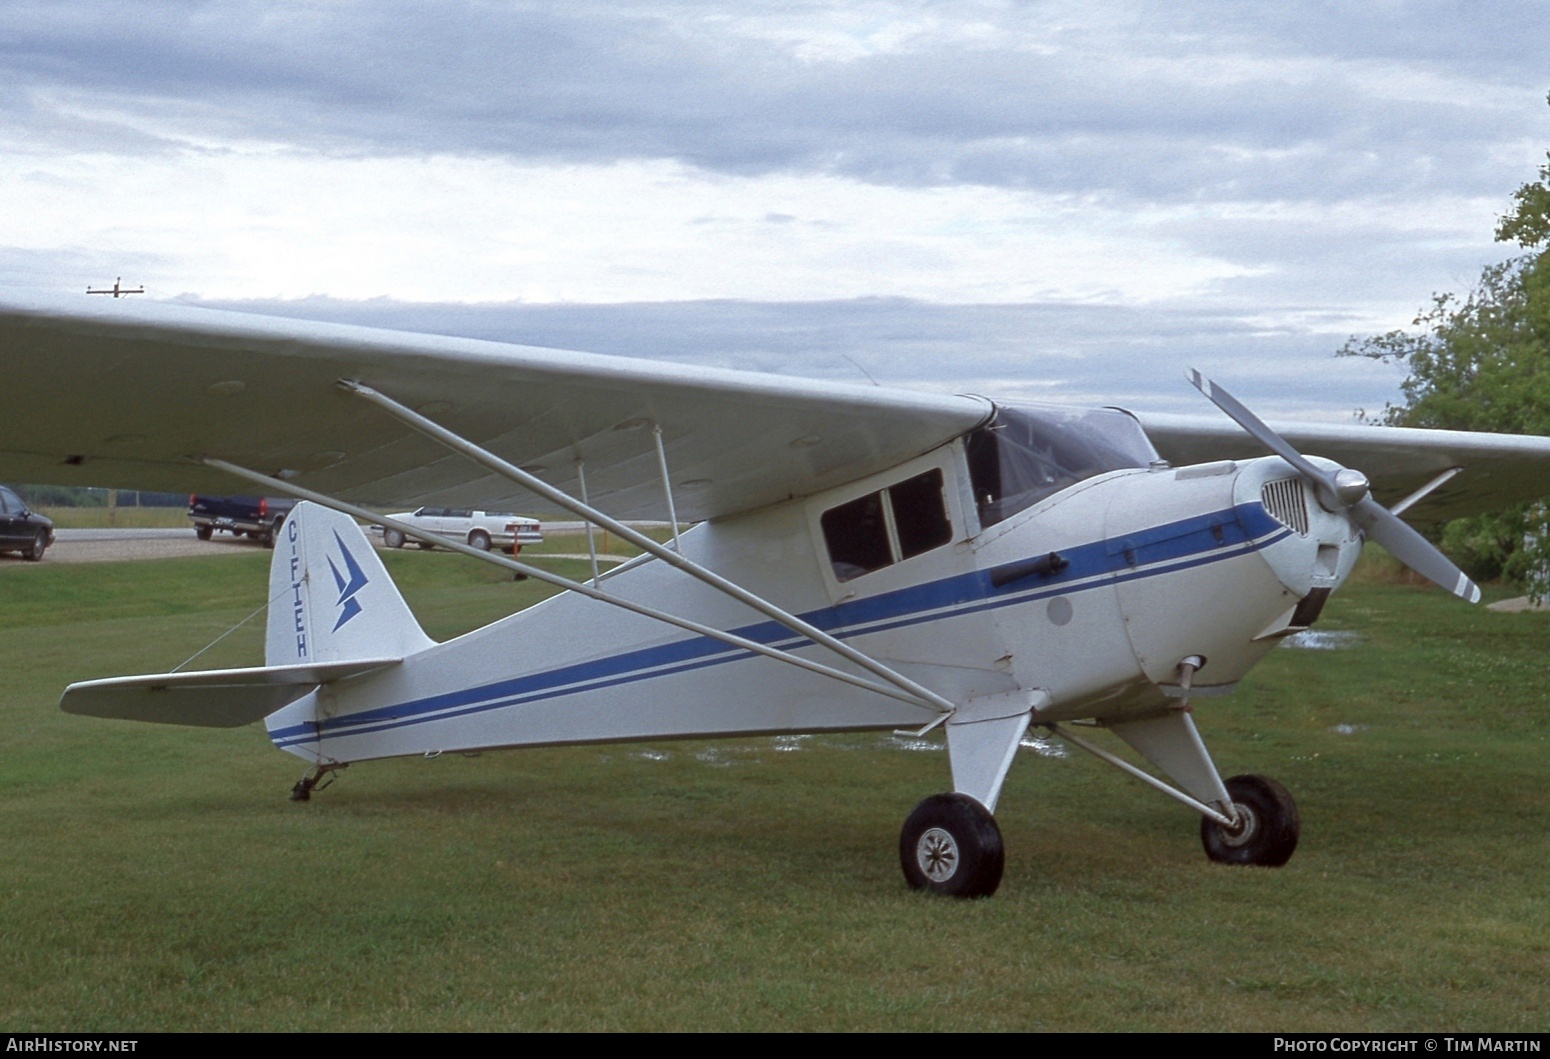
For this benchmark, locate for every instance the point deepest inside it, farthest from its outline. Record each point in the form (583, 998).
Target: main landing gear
(1267, 829)
(951, 845)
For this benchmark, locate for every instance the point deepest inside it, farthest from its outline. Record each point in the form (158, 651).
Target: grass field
(123, 517)
(156, 878)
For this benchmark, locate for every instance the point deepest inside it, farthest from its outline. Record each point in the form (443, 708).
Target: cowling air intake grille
(1286, 502)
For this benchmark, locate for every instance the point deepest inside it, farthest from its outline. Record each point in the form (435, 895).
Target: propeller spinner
(1349, 491)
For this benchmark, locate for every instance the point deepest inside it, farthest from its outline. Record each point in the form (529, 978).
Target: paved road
(112, 545)
(122, 534)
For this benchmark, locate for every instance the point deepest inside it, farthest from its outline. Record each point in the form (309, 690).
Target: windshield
(1027, 452)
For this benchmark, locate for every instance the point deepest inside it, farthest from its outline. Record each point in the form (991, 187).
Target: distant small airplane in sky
(117, 290)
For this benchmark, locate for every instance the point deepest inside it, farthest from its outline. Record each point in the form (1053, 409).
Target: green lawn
(123, 517)
(156, 878)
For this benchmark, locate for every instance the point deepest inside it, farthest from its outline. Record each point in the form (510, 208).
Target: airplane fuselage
(1084, 604)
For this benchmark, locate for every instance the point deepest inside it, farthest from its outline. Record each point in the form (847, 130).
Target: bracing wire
(262, 607)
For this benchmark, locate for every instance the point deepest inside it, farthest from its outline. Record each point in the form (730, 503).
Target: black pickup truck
(258, 517)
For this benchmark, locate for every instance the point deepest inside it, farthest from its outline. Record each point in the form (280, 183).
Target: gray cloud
(1125, 106)
(1238, 102)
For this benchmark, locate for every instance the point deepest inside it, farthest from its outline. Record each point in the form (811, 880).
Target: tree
(1482, 362)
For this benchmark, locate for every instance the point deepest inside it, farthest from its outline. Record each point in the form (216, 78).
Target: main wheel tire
(950, 845)
(1270, 826)
(35, 550)
(479, 539)
(393, 538)
(203, 532)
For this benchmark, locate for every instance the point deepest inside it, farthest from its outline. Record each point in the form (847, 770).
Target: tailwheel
(951, 845)
(326, 773)
(1267, 829)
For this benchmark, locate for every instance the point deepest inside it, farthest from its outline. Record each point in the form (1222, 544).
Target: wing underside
(131, 396)
(1495, 470)
(134, 395)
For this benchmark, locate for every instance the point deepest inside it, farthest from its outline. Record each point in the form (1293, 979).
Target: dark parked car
(22, 530)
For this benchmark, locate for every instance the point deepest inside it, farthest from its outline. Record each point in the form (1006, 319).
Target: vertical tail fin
(330, 597)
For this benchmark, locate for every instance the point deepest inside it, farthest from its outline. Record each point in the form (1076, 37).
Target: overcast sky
(1072, 201)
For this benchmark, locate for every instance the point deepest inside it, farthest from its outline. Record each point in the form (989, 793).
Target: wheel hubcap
(1248, 827)
(937, 854)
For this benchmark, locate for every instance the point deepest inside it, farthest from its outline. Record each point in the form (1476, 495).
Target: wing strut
(917, 692)
(1426, 490)
(280, 486)
(581, 478)
(667, 485)
(1124, 766)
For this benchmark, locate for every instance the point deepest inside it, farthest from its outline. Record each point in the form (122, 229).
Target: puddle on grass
(1347, 729)
(726, 755)
(906, 742)
(1045, 746)
(1321, 640)
(729, 754)
(722, 755)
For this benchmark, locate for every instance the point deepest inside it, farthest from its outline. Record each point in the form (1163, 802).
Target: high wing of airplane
(860, 558)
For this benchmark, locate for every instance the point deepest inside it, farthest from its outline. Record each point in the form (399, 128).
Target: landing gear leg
(951, 845)
(302, 792)
(1267, 829)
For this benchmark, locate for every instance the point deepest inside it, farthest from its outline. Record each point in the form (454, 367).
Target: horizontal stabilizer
(211, 698)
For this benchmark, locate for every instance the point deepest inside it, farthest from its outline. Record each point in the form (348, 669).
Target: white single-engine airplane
(862, 558)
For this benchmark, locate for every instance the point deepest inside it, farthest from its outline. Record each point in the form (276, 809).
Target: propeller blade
(1380, 524)
(1260, 432)
(1415, 551)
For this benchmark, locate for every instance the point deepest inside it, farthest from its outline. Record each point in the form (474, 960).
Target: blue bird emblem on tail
(348, 587)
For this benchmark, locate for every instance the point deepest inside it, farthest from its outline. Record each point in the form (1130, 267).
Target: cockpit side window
(857, 537)
(888, 526)
(1028, 453)
(920, 514)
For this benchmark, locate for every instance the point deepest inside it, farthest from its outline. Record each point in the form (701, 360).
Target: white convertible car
(478, 529)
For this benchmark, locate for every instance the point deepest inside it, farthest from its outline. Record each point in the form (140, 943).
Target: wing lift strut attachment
(892, 684)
